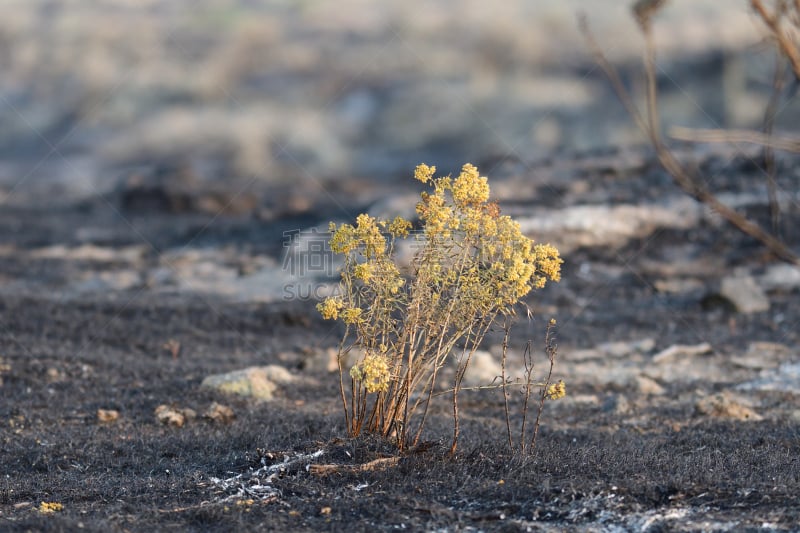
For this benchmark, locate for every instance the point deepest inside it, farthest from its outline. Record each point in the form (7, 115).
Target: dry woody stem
(691, 184)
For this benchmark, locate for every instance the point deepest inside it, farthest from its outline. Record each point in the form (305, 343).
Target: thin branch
(552, 349)
(507, 332)
(666, 157)
(773, 22)
(777, 142)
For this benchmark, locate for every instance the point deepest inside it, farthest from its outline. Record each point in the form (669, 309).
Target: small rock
(780, 277)
(785, 378)
(678, 285)
(761, 355)
(648, 386)
(722, 406)
(617, 349)
(54, 375)
(326, 359)
(173, 416)
(678, 351)
(483, 369)
(107, 416)
(625, 348)
(259, 382)
(744, 294)
(219, 413)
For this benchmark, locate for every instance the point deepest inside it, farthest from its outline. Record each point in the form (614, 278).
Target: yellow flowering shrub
(556, 391)
(472, 265)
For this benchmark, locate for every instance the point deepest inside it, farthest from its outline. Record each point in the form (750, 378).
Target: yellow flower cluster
(373, 372)
(438, 216)
(424, 173)
(515, 265)
(365, 235)
(364, 271)
(470, 188)
(399, 227)
(351, 315)
(556, 391)
(329, 308)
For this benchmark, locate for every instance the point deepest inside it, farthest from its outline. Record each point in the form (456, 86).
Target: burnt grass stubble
(70, 357)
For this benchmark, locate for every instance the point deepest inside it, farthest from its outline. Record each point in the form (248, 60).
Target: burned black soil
(611, 456)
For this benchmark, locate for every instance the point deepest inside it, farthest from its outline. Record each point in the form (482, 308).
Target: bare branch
(688, 183)
(785, 44)
(777, 142)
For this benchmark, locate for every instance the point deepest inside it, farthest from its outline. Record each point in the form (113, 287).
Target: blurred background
(304, 92)
(155, 145)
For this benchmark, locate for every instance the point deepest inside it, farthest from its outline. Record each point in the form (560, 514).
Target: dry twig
(782, 142)
(773, 22)
(372, 466)
(686, 181)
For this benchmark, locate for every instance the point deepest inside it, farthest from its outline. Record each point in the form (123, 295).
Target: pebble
(744, 294)
(780, 277)
(174, 416)
(483, 369)
(785, 378)
(219, 413)
(258, 382)
(107, 416)
(723, 406)
(679, 351)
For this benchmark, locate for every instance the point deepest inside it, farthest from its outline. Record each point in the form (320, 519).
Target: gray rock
(744, 294)
(786, 378)
(616, 349)
(595, 225)
(483, 369)
(682, 363)
(648, 386)
(723, 405)
(762, 355)
(780, 277)
(259, 382)
(679, 285)
(681, 351)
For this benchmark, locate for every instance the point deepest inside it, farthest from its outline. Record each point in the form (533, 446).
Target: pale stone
(680, 351)
(219, 413)
(483, 369)
(785, 378)
(106, 416)
(761, 355)
(723, 406)
(744, 294)
(678, 286)
(259, 382)
(649, 386)
(780, 277)
(174, 416)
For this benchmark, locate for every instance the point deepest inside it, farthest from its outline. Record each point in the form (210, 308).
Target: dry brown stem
(773, 23)
(777, 142)
(689, 183)
(372, 466)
